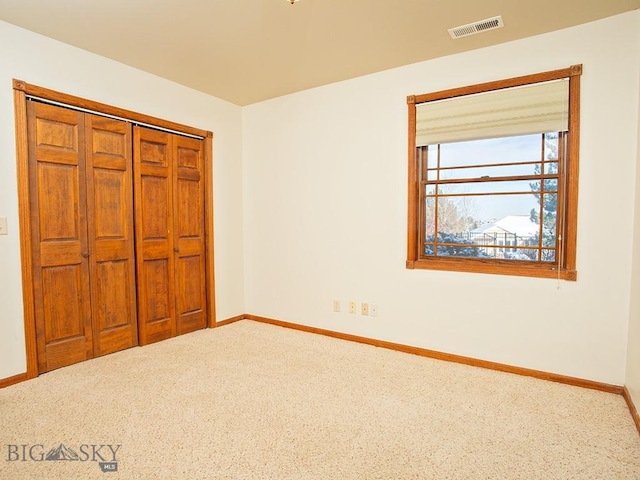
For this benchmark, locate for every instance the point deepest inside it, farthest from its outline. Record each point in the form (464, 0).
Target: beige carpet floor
(255, 401)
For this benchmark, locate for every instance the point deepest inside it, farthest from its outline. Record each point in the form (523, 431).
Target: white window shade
(536, 108)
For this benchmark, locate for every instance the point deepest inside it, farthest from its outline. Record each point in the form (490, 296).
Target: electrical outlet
(336, 306)
(364, 309)
(3, 226)
(373, 310)
(352, 307)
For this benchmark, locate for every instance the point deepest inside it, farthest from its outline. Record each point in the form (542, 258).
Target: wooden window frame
(565, 267)
(21, 92)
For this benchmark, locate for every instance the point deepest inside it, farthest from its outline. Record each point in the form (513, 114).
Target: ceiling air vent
(476, 27)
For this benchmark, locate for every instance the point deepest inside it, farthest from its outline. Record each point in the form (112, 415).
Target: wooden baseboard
(228, 321)
(474, 362)
(553, 377)
(5, 382)
(632, 408)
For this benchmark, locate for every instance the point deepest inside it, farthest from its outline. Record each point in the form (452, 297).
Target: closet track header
(45, 95)
(32, 98)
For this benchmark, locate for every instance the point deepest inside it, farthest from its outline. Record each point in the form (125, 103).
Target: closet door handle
(176, 249)
(85, 254)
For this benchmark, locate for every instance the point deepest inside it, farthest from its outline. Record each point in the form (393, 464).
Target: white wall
(323, 181)
(325, 197)
(44, 62)
(633, 349)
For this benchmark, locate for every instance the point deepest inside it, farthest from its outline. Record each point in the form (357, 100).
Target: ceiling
(246, 51)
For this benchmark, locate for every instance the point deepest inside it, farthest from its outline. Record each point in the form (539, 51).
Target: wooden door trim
(24, 209)
(21, 90)
(208, 230)
(73, 101)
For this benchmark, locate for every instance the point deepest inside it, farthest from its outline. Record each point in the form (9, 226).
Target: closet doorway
(116, 227)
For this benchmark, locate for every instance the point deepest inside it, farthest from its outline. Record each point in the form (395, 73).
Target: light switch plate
(3, 226)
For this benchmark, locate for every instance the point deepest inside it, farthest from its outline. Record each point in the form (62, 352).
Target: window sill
(492, 267)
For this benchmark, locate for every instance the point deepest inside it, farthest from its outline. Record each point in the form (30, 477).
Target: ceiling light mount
(292, 1)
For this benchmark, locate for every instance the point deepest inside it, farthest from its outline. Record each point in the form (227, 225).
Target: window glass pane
(548, 255)
(549, 219)
(432, 162)
(465, 213)
(451, 246)
(454, 246)
(550, 185)
(495, 150)
(493, 219)
(429, 220)
(551, 168)
(456, 214)
(432, 156)
(551, 146)
(491, 226)
(507, 252)
(461, 250)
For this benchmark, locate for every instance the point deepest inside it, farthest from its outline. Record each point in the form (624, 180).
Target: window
(493, 177)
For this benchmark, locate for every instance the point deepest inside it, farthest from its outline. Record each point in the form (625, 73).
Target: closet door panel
(111, 235)
(189, 234)
(65, 336)
(153, 193)
(59, 237)
(159, 311)
(190, 274)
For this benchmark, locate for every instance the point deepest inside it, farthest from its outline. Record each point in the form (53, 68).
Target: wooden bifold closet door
(116, 227)
(170, 234)
(80, 186)
(87, 261)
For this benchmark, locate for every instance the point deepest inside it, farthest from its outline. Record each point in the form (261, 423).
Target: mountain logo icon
(62, 453)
